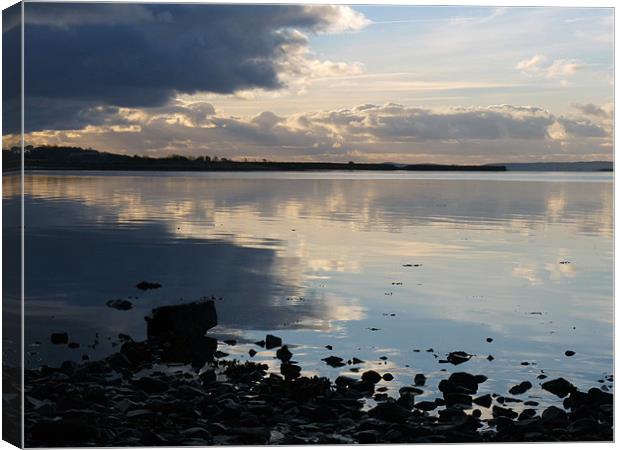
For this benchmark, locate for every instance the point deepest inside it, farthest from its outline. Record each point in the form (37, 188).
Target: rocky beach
(175, 388)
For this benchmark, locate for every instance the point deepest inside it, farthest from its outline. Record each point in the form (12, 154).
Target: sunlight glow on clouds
(320, 82)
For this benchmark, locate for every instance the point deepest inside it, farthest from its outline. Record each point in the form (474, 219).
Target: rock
(569, 353)
(367, 437)
(252, 353)
(466, 380)
(272, 341)
(356, 361)
(410, 390)
(284, 354)
(344, 381)
(197, 433)
(483, 400)
(290, 371)
(63, 433)
(426, 406)
(406, 400)
(334, 361)
(150, 385)
(136, 352)
(371, 376)
(73, 345)
(490, 358)
(362, 386)
(59, 338)
(459, 357)
(520, 388)
(388, 376)
(554, 417)
(208, 376)
(498, 411)
(120, 304)
(230, 342)
(145, 285)
(181, 322)
(419, 379)
(329, 347)
(559, 387)
(455, 398)
(390, 412)
(597, 397)
(489, 339)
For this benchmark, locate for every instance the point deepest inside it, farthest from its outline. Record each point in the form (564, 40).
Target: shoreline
(173, 390)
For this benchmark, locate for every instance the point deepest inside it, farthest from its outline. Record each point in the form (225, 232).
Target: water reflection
(324, 259)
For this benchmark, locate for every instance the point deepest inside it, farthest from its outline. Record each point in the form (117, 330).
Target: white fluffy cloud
(538, 66)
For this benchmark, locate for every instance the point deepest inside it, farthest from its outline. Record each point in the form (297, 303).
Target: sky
(319, 82)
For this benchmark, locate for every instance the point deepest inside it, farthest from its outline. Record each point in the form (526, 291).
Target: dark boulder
(498, 411)
(520, 388)
(371, 376)
(181, 322)
(419, 379)
(272, 341)
(484, 400)
(334, 361)
(150, 385)
(455, 398)
(426, 405)
(59, 338)
(284, 354)
(465, 380)
(458, 357)
(554, 417)
(559, 387)
(137, 352)
(390, 412)
(290, 371)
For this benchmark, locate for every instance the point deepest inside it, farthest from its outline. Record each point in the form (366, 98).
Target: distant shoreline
(75, 158)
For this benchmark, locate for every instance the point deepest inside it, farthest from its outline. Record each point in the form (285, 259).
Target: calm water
(320, 259)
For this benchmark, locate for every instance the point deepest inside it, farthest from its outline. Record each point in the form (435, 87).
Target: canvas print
(298, 224)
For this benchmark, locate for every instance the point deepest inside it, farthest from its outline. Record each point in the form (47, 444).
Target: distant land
(579, 166)
(76, 158)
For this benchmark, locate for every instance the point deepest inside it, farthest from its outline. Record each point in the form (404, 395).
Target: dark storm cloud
(142, 55)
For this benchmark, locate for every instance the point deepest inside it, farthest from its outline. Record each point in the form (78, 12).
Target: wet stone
(419, 379)
(272, 341)
(59, 338)
(559, 387)
(483, 400)
(520, 388)
(458, 357)
(371, 376)
(334, 361)
(147, 285)
(120, 304)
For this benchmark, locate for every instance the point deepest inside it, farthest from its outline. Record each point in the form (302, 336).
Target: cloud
(131, 55)
(591, 110)
(532, 64)
(563, 68)
(559, 68)
(365, 132)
